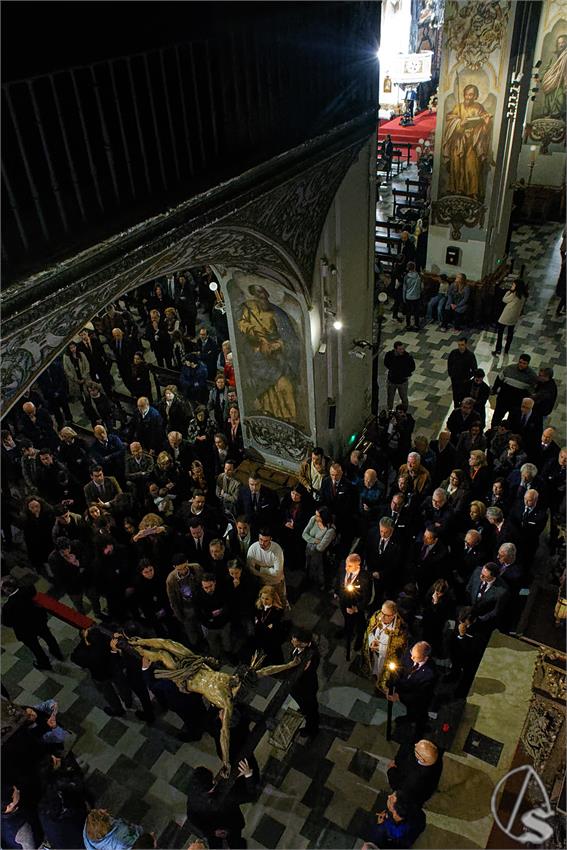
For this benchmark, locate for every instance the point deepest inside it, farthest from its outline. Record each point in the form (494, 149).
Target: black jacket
(461, 366)
(213, 609)
(359, 596)
(415, 780)
(21, 614)
(416, 688)
(400, 366)
(266, 513)
(389, 563)
(487, 608)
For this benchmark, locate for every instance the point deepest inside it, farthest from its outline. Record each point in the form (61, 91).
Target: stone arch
(271, 230)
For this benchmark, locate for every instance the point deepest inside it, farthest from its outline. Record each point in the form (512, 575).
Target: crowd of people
(144, 524)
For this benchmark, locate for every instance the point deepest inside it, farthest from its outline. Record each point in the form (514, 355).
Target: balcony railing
(94, 149)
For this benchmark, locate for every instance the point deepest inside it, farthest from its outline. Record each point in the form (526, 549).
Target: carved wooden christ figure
(200, 674)
(466, 145)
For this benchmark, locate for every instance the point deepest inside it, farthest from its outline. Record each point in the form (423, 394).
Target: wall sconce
(333, 270)
(213, 286)
(332, 316)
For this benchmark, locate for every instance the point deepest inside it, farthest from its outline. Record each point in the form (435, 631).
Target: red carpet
(423, 128)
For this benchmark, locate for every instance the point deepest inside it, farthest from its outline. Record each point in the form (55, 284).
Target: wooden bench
(391, 243)
(407, 198)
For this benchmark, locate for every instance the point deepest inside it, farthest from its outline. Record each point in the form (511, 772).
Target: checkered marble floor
(538, 333)
(317, 795)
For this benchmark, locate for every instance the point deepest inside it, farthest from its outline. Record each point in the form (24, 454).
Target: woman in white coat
(514, 301)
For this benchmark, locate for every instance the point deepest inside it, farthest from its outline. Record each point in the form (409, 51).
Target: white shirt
(267, 564)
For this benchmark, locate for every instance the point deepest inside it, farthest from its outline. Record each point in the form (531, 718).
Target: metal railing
(93, 149)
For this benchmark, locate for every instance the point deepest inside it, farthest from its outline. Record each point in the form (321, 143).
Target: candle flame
(392, 666)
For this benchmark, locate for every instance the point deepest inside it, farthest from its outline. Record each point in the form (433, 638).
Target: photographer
(397, 428)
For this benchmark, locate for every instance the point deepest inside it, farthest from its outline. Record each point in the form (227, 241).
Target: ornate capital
(547, 131)
(458, 211)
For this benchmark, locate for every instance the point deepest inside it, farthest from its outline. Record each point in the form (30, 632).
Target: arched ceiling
(273, 232)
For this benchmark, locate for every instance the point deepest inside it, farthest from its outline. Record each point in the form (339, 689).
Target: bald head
(426, 752)
(29, 408)
(100, 432)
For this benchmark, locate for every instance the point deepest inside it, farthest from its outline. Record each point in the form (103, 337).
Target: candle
(533, 153)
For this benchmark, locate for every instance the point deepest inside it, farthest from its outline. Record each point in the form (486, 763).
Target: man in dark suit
(402, 518)
(28, 621)
(416, 770)
(304, 690)
(511, 575)
(383, 558)
(208, 351)
(554, 476)
(445, 457)
(37, 425)
(437, 513)
(353, 591)
(479, 390)
(462, 418)
(148, 427)
(428, 560)
(522, 421)
(101, 489)
(529, 519)
(123, 349)
(98, 362)
(415, 685)
(467, 645)
(258, 503)
(547, 450)
(180, 450)
(184, 298)
(340, 497)
(503, 530)
(488, 595)
(240, 539)
(196, 543)
(465, 558)
(520, 481)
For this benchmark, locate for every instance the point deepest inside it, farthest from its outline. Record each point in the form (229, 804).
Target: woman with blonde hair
(268, 635)
(152, 540)
(478, 521)
(166, 475)
(479, 476)
(103, 832)
(198, 477)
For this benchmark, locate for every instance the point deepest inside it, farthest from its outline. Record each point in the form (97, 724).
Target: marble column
(475, 135)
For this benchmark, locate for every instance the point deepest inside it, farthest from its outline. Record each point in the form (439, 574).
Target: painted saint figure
(272, 356)
(466, 145)
(554, 81)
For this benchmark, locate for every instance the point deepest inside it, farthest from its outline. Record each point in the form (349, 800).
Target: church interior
(283, 386)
